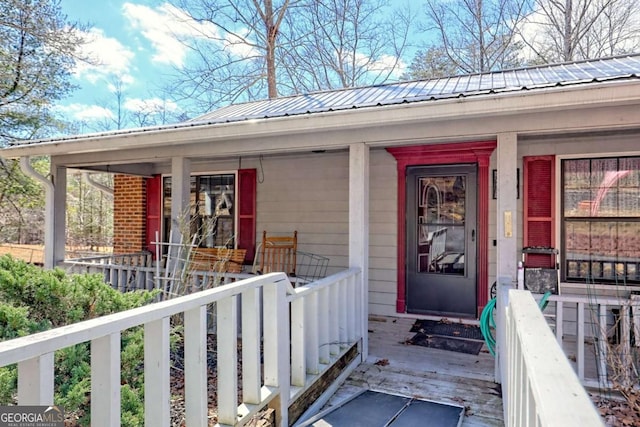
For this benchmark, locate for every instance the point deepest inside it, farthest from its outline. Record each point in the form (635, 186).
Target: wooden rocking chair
(278, 253)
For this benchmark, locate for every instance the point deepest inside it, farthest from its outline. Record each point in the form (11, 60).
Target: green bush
(34, 300)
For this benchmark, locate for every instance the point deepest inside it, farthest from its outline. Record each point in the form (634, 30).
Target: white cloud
(388, 63)
(150, 105)
(164, 26)
(238, 46)
(385, 64)
(84, 112)
(107, 58)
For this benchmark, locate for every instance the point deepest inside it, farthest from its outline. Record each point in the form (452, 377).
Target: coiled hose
(488, 322)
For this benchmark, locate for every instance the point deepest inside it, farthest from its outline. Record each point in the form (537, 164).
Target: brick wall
(129, 216)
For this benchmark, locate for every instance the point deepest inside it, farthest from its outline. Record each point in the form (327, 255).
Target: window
(601, 220)
(212, 209)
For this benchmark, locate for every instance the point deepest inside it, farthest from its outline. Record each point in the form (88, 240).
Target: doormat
(447, 329)
(459, 345)
(375, 409)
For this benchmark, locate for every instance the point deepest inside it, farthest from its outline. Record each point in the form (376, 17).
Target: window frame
(197, 175)
(564, 220)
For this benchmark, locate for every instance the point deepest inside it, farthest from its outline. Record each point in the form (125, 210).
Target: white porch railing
(141, 259)
(585, 327)
(303, 331)
(135, 271)
(541, 388)
(124, 272)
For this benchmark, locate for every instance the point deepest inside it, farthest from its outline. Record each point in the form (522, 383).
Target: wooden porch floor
(424, 373)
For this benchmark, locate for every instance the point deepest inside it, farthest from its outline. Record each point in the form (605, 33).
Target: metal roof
(523, 79)
(546, 76)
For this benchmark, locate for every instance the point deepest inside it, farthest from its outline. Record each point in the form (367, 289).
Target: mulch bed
(615, 412)
(262, 419)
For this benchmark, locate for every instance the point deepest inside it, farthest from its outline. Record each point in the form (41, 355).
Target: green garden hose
(488, 322)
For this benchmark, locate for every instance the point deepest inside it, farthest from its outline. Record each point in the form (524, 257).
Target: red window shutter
(154, 210)
(247, 184)
(539, 207)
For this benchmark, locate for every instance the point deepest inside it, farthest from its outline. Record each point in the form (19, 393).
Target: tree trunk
(481, 48)
(568, 31)
(271, 36)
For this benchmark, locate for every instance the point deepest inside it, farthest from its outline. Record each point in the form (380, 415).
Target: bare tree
(119, 116)
(21, 203)
(250, 49)
(477, 35)
(344, 43)
(89, 211)
(233, 53)
(120, 111)
(566, 30)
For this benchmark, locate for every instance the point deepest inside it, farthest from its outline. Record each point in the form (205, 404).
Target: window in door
(441, 224)
(601, 220)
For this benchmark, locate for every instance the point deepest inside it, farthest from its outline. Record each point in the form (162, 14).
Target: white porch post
(507, 228)
(54, 209)
(507, 206)
(180, 189)
(359, 228)
(56, 213)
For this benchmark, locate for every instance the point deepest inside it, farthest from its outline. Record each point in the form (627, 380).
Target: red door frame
(441, 154)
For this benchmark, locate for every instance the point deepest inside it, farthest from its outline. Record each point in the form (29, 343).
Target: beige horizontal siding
(383, 234)
(307, 193)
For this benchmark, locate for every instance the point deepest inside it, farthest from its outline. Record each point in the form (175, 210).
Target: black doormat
(376, 409)
(459, 345)
(447, 329)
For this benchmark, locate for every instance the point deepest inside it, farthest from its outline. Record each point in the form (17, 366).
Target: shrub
(34, 300)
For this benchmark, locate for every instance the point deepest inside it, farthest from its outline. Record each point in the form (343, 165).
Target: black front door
(441, 240)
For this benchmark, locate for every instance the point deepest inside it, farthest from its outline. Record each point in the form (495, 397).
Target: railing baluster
(227, 362)
(323, 326)
(343, 302)
(559, 322)
(35, 380)
(580, 341)
(251, 378)
(311, 334)
(298, 327)
(105, 380)
(122, 274)
(195, 366)
(627, 362)
(602, 344)
(156, 373)
(352, 310)
(276, 347)
(113, 277)
(334, 320)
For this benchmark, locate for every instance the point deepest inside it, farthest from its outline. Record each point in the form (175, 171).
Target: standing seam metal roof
(597, 70)
(574, 73)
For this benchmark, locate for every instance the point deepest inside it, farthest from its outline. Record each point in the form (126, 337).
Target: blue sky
(131, 41)
(128, 42)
